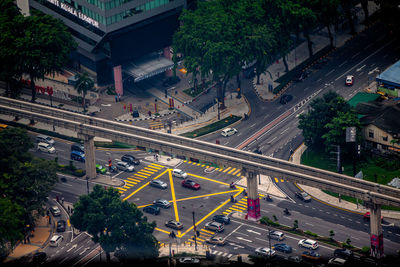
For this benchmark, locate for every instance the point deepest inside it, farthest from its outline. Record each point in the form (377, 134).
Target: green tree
(11, 26)
(25, 181)
(295, 224)
(321, 112)
(115, 224)
(45, 47)
(11, 223)
(84, 84)
(331, 234)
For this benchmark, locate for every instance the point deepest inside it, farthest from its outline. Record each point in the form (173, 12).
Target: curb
(147, 118)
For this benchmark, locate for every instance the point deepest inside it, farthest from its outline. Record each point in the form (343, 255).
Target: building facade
(113, 35)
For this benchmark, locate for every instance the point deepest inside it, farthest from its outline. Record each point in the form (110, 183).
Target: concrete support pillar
(253, 201)
(376, 231)
(90, 158)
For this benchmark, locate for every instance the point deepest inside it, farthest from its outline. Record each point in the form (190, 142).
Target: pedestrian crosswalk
(156, 124)
(221, 253)
(140, 176)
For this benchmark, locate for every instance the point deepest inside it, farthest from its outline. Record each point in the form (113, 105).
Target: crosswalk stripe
(121, 191)
(143, 173)
(282, 180)
(130, 183)
(120, 188)
(203, 165)
(146, 171)
(226, 213)
(276, 180)
(150, 170)
(134, 180)
(190, 162)
(238, 209)
(233, 169)
(207, 231)
(218, 169)
(239, 174)
(156, 165)
(227, 169)
(127, 187)
(198, 164)
(240, 205)
(236, 172)
(138, 175)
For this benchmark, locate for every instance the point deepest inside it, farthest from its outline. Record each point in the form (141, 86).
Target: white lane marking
(284, 131)
(310, 224)
(243, 239)
(252, 231)
(251, 126)
(356, 54)
(329, 72)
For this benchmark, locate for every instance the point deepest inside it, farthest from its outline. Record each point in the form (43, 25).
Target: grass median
(212, 127)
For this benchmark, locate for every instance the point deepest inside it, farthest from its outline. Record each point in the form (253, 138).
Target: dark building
(118, 38)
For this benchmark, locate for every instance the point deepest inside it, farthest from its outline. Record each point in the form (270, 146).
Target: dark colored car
(282, 247)
(113, 168)
(78, 147)
(130, 159)
(171, 81)
(190, 184)
(301, 76)
(311, 255)
(135, 113)
(39, 257)
(162, 203)
(76, 155)
(222, 219)
(152, 209)
(303, 196)
(343, 253)
(285, 99)
(61, 226)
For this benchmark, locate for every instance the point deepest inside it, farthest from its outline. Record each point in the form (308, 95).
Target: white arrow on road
(372, 71)
(74, 246)
(84, 250)
(251, 231)
(235, 245)
(243, 239)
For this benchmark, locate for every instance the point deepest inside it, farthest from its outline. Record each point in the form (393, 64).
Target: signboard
(253, 209)
(350, 134)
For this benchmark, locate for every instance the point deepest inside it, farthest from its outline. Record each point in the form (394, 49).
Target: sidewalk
(320, 40)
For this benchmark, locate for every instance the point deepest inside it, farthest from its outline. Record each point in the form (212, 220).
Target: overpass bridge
(86, 127)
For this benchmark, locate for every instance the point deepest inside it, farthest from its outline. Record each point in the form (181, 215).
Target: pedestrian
(116, 98)
(156, 157)
(62, 200)
(149, 113)
(57, 198)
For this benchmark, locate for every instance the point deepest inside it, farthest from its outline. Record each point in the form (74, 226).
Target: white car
(308, 243)
(45, 139)
(123, 166)
(349, 80)
(265, 252)
(56, 240)
(179, 173)
(45, 147)
(228, 132)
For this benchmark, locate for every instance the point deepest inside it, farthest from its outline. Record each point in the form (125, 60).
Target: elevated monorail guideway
(87, 127)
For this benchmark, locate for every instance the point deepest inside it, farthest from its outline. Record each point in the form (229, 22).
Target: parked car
(343, 253)
(228, 132)
(216, 240)
(100, 169)
(285, 99)
(130, 159)
(163, 203)
(55, 211)
(152, 209)
(45, 147)
(265, 252)
(56, 240)
(61, 224)
(301, 75)
(295, 259)
(337, 262)
(349, 80)
(45, 139)
(158, 184)
(222, 219)
(39, 257)
(277, 235)
(124, 166)
(282, 247)
(78, 147)
(303, 196)
(174, 224)
(190, 184)
(79, 156)
(188, 260)
(113, 168)
(215, 226)
(179, 173)
(308, 243)
(312, 255)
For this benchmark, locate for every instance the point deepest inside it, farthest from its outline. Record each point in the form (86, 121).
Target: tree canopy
(115, 224)
(24, 181)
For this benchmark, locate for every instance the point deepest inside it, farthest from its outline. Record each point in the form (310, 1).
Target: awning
(147, 66)
(391, 76)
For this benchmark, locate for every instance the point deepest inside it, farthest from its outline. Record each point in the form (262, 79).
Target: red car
(190, 184)
(367, 216)
(349, 80)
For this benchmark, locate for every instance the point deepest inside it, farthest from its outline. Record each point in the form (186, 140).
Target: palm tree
(83, 85)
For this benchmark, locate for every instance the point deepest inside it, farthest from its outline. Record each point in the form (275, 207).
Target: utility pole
(195, 232)
(269, 241)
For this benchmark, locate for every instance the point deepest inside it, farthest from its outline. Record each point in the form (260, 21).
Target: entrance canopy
(147, 66)
(391, 76)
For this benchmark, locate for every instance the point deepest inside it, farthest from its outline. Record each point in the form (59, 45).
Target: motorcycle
(268, 198)
(232, 185)
(286, 211)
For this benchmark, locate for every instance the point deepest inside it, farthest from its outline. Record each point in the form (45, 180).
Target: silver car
(123, 166)
(215, 226)
(163, 203)
(158, 184)
(45, 139)
(265, 252)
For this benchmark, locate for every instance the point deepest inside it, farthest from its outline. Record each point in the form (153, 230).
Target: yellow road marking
(157, 165)
(161, 230)
(68, 223)
(134, 180)
(204, 178)
(120, 188)
(276, 180)
(227, 169)
(239, 174)
(282, 180)
(207, 231)
(237, 209)
(236, 172)
(232, 170)
(147, 172)
(171, 181)
(130, 183)
(143, 186)
(203, 165)
(212, 194)
(138, 175)
(189, 162)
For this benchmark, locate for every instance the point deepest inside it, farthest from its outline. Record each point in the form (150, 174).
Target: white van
(228, 132)
(56, 240)
(179, 173)
(45, 147)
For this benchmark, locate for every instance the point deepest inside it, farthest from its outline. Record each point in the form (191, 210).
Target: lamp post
(269, 241)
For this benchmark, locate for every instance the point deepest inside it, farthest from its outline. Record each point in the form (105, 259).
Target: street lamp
(269, 241)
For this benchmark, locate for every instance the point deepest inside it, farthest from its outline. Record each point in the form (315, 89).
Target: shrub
(310, 233)
(365, 250)
(267, 221)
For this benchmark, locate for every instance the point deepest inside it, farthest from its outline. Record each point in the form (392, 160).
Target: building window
(371, 134)
(384, 138)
